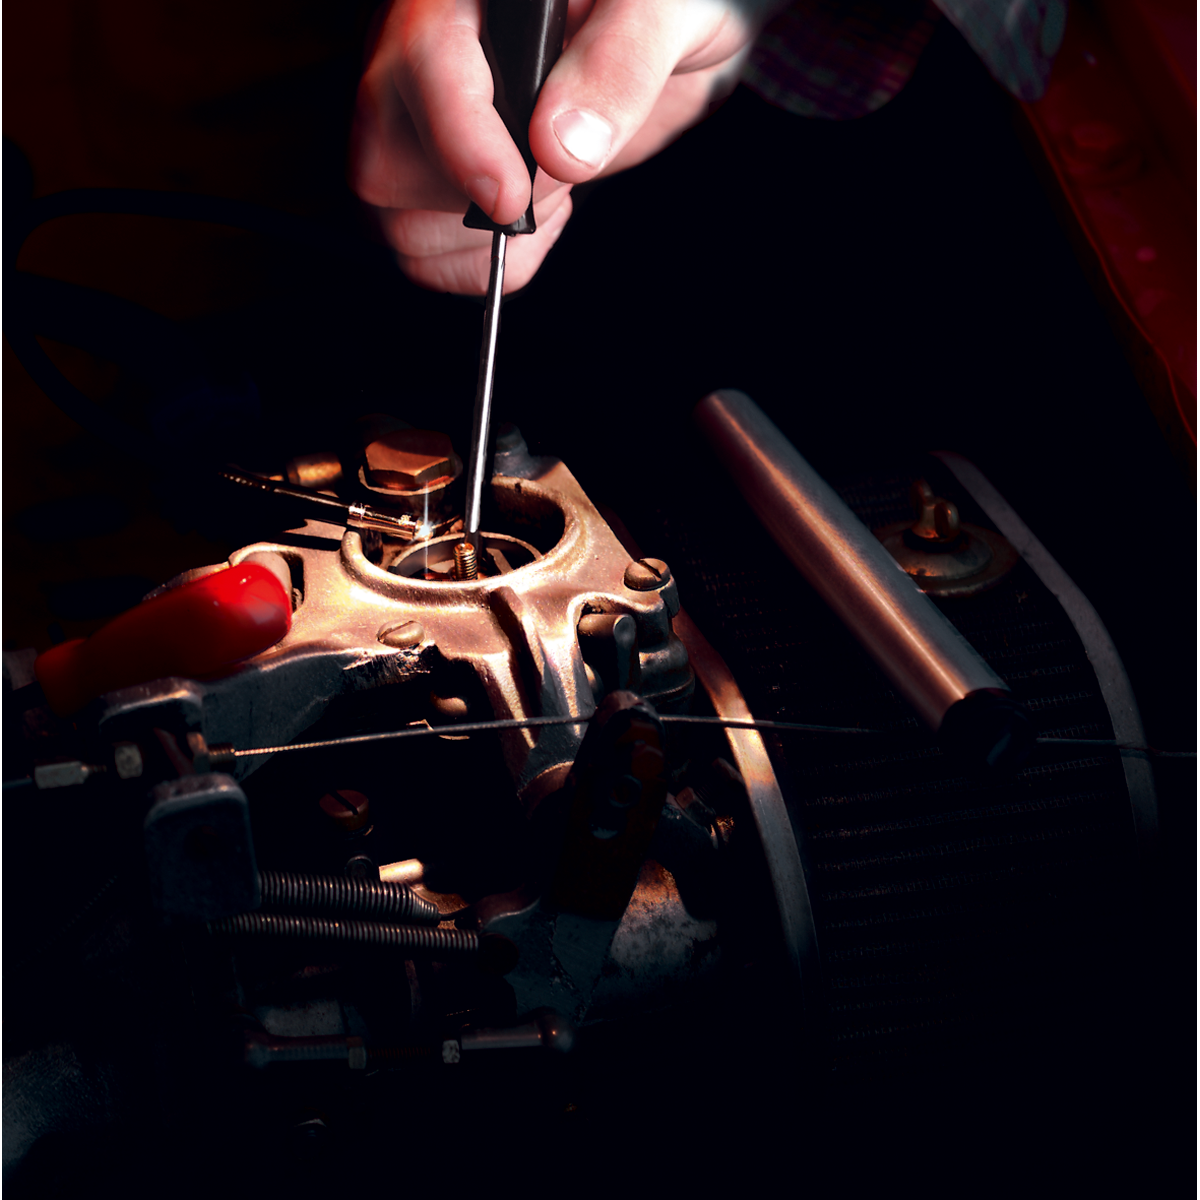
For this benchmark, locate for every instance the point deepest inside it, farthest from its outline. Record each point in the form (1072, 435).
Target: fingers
(605, 85)
(387, 163)
(420, 233)
(436, 252)
(446, 85)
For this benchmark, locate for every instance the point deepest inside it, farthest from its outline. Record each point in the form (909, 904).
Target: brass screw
(466, 565)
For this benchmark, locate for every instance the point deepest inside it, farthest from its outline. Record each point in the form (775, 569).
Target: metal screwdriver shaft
(482, 421)
(521, 40)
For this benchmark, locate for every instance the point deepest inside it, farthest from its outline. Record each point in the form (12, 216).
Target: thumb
(605, 85)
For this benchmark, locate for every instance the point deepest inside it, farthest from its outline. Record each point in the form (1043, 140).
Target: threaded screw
(466, 564)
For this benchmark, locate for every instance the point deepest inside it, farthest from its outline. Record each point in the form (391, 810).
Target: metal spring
(411, 939)
(332, 893)
(466, 564)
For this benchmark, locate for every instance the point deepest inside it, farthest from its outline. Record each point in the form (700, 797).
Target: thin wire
(723, 722)
(1124, 747)
(754, 723)
(420, 731)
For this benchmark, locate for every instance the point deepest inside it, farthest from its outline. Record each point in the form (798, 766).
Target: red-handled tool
(192, 630)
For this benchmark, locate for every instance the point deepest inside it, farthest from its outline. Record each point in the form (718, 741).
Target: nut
(406, 460)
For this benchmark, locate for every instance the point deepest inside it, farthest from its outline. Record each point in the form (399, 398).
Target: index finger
(440, 71)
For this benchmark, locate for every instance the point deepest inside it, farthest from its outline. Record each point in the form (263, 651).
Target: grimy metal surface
(927, 660)
(517, 631)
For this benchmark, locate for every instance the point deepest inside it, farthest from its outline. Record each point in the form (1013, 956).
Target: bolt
(349, 811)
(403, 635)
(466, 565)
(647, 574)
(406, 460)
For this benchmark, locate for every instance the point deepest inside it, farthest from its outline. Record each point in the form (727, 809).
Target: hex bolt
(407, 460)
(647, 574)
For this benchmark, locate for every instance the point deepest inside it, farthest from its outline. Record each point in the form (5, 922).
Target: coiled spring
(332, 893)
(411, 939)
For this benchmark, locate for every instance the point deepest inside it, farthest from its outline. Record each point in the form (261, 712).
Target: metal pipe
(930, 663)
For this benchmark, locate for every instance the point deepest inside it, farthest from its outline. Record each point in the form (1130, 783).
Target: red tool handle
(192, 630)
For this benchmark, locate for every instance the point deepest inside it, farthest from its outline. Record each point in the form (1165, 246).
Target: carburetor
(444, 808)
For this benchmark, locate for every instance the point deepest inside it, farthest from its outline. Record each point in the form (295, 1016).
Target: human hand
(634, 75)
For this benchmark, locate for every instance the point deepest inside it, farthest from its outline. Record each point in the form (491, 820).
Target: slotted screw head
(346, 809)
(647, 574)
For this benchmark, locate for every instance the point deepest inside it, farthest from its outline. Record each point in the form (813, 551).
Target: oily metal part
(766, 801)
(517, 631)
(927, 660)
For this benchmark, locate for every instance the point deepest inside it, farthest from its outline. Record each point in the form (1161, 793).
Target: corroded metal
(944, 555)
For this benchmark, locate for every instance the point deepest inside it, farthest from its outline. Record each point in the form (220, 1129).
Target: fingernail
(584, 136)
(484, 191)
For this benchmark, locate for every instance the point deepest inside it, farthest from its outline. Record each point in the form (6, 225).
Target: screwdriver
(522, 40)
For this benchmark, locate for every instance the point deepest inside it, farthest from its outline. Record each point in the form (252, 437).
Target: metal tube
(930, 663)
(483, 392)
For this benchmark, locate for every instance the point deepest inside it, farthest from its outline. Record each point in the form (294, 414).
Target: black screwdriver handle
(522, 40)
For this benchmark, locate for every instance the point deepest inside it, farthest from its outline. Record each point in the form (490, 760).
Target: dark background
(887, 285)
